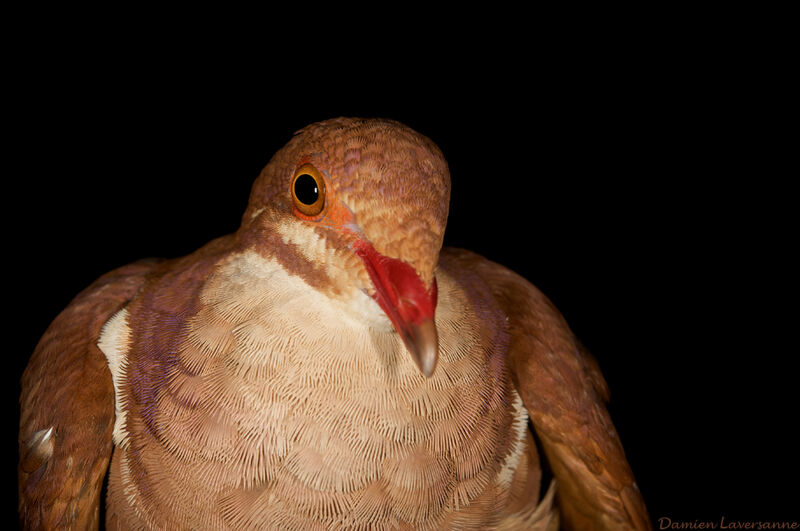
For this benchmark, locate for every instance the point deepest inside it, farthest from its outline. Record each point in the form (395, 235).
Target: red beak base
(409, 305)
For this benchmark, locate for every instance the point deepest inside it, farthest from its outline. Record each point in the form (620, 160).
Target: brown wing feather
(67, 387)
(564, 392)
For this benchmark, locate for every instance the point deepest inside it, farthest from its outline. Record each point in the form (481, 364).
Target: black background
(637, 184)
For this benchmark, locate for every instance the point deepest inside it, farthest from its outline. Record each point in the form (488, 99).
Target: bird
(329, 365)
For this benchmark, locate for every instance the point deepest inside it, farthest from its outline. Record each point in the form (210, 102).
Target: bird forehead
(379, 166)
(379, 155)
(360, 156)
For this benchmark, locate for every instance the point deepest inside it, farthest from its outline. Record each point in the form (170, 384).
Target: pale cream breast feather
(511, 462)
(114, 342)
(311, 397)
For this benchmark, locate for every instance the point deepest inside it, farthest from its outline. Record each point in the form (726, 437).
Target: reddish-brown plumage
(67, 386)
(258, 383)
(561, 386)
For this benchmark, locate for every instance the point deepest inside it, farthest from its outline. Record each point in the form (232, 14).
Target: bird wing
(67, 409)
(565, 393)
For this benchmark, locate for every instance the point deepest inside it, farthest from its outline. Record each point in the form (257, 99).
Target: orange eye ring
(308, 190)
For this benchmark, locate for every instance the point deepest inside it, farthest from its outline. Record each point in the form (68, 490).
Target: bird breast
(284, 408)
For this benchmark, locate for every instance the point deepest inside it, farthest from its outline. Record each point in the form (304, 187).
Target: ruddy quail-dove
(328, 365)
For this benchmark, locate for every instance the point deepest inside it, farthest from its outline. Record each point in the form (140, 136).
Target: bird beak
(405, 300)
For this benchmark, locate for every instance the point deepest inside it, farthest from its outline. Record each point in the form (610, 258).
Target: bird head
(358, 209)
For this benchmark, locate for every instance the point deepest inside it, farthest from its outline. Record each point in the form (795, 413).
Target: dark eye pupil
(306, 190)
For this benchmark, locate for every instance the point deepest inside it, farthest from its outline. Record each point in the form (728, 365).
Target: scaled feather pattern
(322, 369)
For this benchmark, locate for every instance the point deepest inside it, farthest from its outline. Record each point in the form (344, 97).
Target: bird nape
(328, 365)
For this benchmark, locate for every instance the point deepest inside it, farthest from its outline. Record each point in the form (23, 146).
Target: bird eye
(308, 190)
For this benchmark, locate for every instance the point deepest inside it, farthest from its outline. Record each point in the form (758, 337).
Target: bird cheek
(339, 217)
